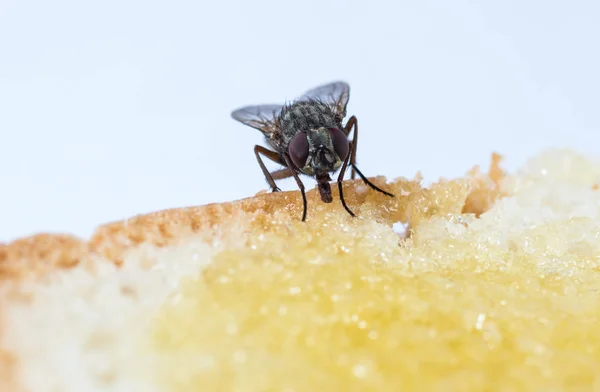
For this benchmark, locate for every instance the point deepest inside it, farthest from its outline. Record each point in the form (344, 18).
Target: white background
(113, 108)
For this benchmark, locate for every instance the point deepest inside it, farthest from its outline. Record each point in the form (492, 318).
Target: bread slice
(495, 286)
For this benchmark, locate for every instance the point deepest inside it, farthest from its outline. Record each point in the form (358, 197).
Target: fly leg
(276, 175)
(353, 123)
(339, 182)
(281, 174)
(298, 181)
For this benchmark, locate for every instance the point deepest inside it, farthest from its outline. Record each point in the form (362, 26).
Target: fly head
(319, 151)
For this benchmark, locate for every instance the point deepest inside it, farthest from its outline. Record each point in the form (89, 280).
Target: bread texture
(495, 271)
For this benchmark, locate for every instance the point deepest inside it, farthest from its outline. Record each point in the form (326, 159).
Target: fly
(307, 137)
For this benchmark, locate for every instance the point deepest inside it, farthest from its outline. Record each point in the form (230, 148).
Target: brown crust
(40, 253)
(163, 227)
(43, 253)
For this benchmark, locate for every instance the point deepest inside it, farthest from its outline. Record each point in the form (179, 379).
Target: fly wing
(335, 94)
(262, 117)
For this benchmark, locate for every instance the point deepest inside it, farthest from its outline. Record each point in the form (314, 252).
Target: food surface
(494, 286)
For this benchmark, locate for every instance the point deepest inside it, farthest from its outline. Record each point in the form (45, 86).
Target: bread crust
(37, 255)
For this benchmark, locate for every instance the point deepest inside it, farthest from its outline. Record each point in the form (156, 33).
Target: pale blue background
(113, 108)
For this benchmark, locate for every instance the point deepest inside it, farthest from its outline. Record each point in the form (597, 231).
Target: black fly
(308, 138)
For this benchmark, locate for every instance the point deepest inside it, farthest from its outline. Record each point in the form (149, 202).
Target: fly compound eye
(340, 142)
(298, 150)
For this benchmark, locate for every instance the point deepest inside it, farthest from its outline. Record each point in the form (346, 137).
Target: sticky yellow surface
(341, 304)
